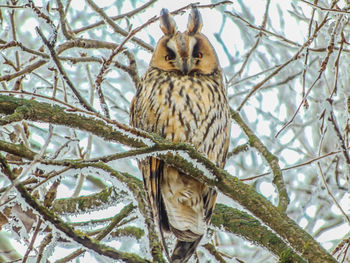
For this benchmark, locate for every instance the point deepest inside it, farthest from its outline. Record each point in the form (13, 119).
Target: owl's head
(185, 52)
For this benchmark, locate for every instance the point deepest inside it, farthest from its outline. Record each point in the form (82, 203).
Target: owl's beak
(186, 66)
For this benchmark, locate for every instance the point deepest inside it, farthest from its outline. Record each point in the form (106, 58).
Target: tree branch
(269, 157)
(246, 226)
(200, 166)
(64, 227)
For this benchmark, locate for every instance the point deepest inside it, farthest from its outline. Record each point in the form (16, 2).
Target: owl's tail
(184, 250)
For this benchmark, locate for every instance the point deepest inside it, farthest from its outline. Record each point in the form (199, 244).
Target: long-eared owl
(182, 98)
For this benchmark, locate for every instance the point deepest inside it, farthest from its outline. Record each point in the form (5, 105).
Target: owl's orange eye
(199, 55)
(170, 55)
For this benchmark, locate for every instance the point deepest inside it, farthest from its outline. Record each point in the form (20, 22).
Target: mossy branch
(246, 226)
(271, 159)
(200, 166)
(116, 219)
(64, 227)
(233, 220)
(86, 203)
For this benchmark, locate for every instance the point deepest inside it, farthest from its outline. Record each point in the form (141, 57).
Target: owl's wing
(152, 171)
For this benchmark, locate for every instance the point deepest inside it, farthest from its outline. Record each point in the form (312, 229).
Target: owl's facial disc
(181, 48)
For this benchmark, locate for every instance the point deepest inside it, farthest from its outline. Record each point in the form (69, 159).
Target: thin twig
(297, 165)
(282, 38)
(29, 167)
(307, 56)
(14, 36)
(63, 22)
(336, 63)
(330, 193)
(340, 138)
(63, 73)
(119, 30)
(115, 221)
(47, 19)
(118, 17)
(31, 244)
(25, 70)
(115, 27)
(320, 146)
(330, 10)
(44, 243)
(322, 69)
(253, 48)
(108, 62)
(261, 83)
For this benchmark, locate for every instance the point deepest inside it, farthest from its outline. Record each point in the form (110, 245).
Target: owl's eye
(170, 56)
(198, 55)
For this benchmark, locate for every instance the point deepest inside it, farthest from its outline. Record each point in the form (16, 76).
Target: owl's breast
(184, 108)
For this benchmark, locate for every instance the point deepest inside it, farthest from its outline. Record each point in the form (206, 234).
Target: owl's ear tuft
(167, 23)
(195, 22)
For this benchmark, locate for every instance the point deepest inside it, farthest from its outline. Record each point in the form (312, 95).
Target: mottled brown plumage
(182, 98)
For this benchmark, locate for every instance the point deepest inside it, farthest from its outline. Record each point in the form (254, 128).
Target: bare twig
(60, 68)
(270, 33)
(14, 36)
(322, 68)
(44, 243)
(47, 19)
(108, 62)
(119, 30)
(29, 167)
(115, 221)
(341, 245)
(115, 27)
(330, 10)
(330, 193)
(340, 138)
(307, 55)
(336, 64)
(31, 244)
(297, 165)
(324, 178)
(118, 17)
(253, 48)
(64, 25)
(26, 70)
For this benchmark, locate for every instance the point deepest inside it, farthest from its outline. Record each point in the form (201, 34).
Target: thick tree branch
(233, 220)
(64, 227)
(246, 226)
(116, 219)
(269, 157)
(302, 242)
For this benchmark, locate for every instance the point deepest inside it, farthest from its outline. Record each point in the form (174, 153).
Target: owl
(182, 98)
